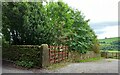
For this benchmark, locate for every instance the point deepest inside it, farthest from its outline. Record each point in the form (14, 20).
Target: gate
(58, 53)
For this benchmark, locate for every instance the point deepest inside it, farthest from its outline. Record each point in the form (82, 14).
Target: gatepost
(45, 55)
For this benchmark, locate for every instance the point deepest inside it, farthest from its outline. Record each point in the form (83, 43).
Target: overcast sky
(103, 15)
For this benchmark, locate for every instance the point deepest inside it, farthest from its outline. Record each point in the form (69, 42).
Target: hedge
(27, 55)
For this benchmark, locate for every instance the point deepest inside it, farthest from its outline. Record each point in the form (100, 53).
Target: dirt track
(102, 66)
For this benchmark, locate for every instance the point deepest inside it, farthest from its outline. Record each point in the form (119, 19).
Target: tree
(33, 23)
(24, 23)
(59, 21)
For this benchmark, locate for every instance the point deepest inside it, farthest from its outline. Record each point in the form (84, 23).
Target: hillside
(110, 43)
(108, 40)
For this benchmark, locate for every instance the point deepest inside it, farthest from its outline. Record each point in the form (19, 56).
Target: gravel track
(102, 66)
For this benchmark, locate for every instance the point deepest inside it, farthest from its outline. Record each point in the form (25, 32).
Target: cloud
(109, 31)
(101, 25)
(103, 15)
(105, 29)
(96, 10)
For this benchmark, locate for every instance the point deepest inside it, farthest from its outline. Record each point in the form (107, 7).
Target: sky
(103, 15)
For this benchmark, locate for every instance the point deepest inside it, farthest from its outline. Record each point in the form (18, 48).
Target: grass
(63, 64)
(109, 40)
(57, 65)
(109, 60)
(109, 43)
(113, 51)
(90, 59)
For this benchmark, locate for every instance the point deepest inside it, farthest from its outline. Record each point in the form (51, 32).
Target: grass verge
(63, 64)
(114, 51)
(57, 65)
(90, 59)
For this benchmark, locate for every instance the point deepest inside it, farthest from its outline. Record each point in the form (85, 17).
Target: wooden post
(54, 54)
(62, 54)
(58, 54)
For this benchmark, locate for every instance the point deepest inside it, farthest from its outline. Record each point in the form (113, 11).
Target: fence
(110, 54)
(58, 53)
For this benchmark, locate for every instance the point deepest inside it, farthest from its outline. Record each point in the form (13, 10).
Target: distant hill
(110, 43)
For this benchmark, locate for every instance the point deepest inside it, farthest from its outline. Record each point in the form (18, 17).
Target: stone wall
(75, 56)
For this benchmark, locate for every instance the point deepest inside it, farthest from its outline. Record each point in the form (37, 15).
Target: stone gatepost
(45, 55)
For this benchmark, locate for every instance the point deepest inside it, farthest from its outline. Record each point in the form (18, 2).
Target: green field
(111, 51)
(110, 44)
(109, 40)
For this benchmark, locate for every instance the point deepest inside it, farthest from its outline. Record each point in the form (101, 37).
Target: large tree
(34, 23)
(25, 23)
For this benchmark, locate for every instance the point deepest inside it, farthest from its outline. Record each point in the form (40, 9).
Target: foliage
(32, 23)
(25, 23)
(26, 64)
(110, 44)
(58, 20)
(4, 42)
(90, 59)
(95, 46)
(70, 23)
(27, 56)
(82, 37)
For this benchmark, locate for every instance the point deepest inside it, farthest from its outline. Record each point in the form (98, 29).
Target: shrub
(96, 48)
(24, 55)
(27, 64)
